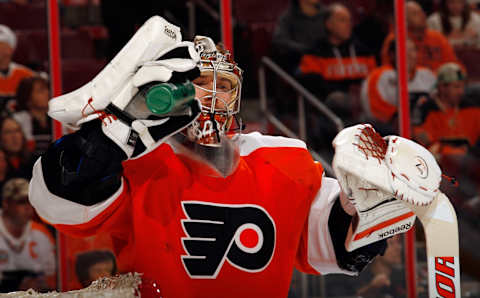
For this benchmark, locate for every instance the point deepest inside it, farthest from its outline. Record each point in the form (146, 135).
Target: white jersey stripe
(248, 143)
(321, 254)
(57, 210)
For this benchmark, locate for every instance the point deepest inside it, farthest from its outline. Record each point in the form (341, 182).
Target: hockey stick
(399, 167)
(439, 222)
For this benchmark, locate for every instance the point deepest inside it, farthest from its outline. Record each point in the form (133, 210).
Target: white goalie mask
(218, 89)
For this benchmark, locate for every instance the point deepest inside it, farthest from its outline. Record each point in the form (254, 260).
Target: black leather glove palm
(356, 260)
(85, 166)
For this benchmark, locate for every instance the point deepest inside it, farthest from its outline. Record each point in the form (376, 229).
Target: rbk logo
(244, 235)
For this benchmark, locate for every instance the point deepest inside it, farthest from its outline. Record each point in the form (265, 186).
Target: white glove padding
(125, 136)
(372, 172)
(157, 71)
(136, 64)
(161, 70)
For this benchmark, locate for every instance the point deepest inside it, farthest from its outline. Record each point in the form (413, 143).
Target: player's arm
(80, 175)
(322, 249)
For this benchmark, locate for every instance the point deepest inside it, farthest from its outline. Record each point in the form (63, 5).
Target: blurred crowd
(349, 63)
(356, 76)
(27, 246)
(342, 52)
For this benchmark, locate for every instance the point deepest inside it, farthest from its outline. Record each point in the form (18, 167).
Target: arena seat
(251, 11)
(77, 72)
(32, 46)
(23, 53)
(469, 58)
(76, 44)
(95, 31)
(255, 23)
(32, 16)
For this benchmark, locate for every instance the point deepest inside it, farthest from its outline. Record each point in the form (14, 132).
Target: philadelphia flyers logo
(243, 235)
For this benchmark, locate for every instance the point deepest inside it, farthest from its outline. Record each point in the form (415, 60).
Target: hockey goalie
(202, 209)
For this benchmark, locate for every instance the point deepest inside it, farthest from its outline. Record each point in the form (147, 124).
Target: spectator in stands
(474, 4)
(10, 73)
(336, 62)
(27, 248)
(378, 18)
(5, 175)
(92, 265)
(32, 104)
(457, 22)
(433, 49)
(3, 171)
(297, 31)
(449, 127)
(12, 141)
(379, 91)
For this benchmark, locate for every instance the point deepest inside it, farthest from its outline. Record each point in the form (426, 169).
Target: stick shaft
(439, 221)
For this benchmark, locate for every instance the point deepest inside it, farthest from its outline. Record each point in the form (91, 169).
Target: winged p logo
(243, 235)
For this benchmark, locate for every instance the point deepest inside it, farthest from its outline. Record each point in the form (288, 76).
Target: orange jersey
(10, 81)
(454, 129)
(379, 90)
(332, 70)
(433, 50)
(198, 235)
(349, 61)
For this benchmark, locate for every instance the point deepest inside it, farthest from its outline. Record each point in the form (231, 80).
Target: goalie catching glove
(382, 178)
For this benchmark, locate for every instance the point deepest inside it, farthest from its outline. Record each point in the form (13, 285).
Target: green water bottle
(169, 99)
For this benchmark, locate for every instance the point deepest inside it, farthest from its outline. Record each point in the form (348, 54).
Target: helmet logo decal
(244, 235)
(205, 129)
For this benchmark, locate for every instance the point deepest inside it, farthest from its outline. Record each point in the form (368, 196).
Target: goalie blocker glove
(86, 166)
(356, 260)
(83, 167)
